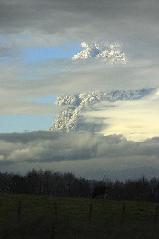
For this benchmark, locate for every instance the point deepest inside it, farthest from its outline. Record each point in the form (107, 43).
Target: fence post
(123, 212)
(155, 217)
(56, 211)
(52, 232)
(19, 211)
(90, 212)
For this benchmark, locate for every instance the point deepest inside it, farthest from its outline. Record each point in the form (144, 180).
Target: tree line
(67, 185)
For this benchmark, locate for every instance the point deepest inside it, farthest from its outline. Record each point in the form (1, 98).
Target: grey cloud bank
(37, 14)
(135, 23)
(84, 153)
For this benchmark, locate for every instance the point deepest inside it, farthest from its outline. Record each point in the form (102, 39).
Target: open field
(26, 216)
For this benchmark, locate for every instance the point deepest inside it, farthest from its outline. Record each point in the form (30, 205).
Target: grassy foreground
(25, 216)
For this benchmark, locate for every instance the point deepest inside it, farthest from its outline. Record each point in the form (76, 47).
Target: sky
(38, 40)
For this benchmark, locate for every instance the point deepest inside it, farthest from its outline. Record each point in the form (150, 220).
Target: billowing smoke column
(73, 105)
(109, 53)
(69, 117)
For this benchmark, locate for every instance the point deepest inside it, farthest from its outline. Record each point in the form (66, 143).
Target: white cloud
(69, 117)
(109, 53)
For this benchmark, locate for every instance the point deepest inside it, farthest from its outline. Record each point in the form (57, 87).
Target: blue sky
(24, 122)
(20, 123)
(39, 54)
(50, 99)
(34, 56)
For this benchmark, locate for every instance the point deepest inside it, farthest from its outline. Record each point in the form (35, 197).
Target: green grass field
(25, 216)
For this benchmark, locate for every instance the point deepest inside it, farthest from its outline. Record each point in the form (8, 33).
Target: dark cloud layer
(91, 154)
(82, 18)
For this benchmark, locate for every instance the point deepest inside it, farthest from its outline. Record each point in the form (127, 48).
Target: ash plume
(109, 53)
(71, 106)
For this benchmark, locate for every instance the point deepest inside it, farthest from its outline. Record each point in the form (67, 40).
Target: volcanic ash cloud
(72, 106)
(109, 53)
